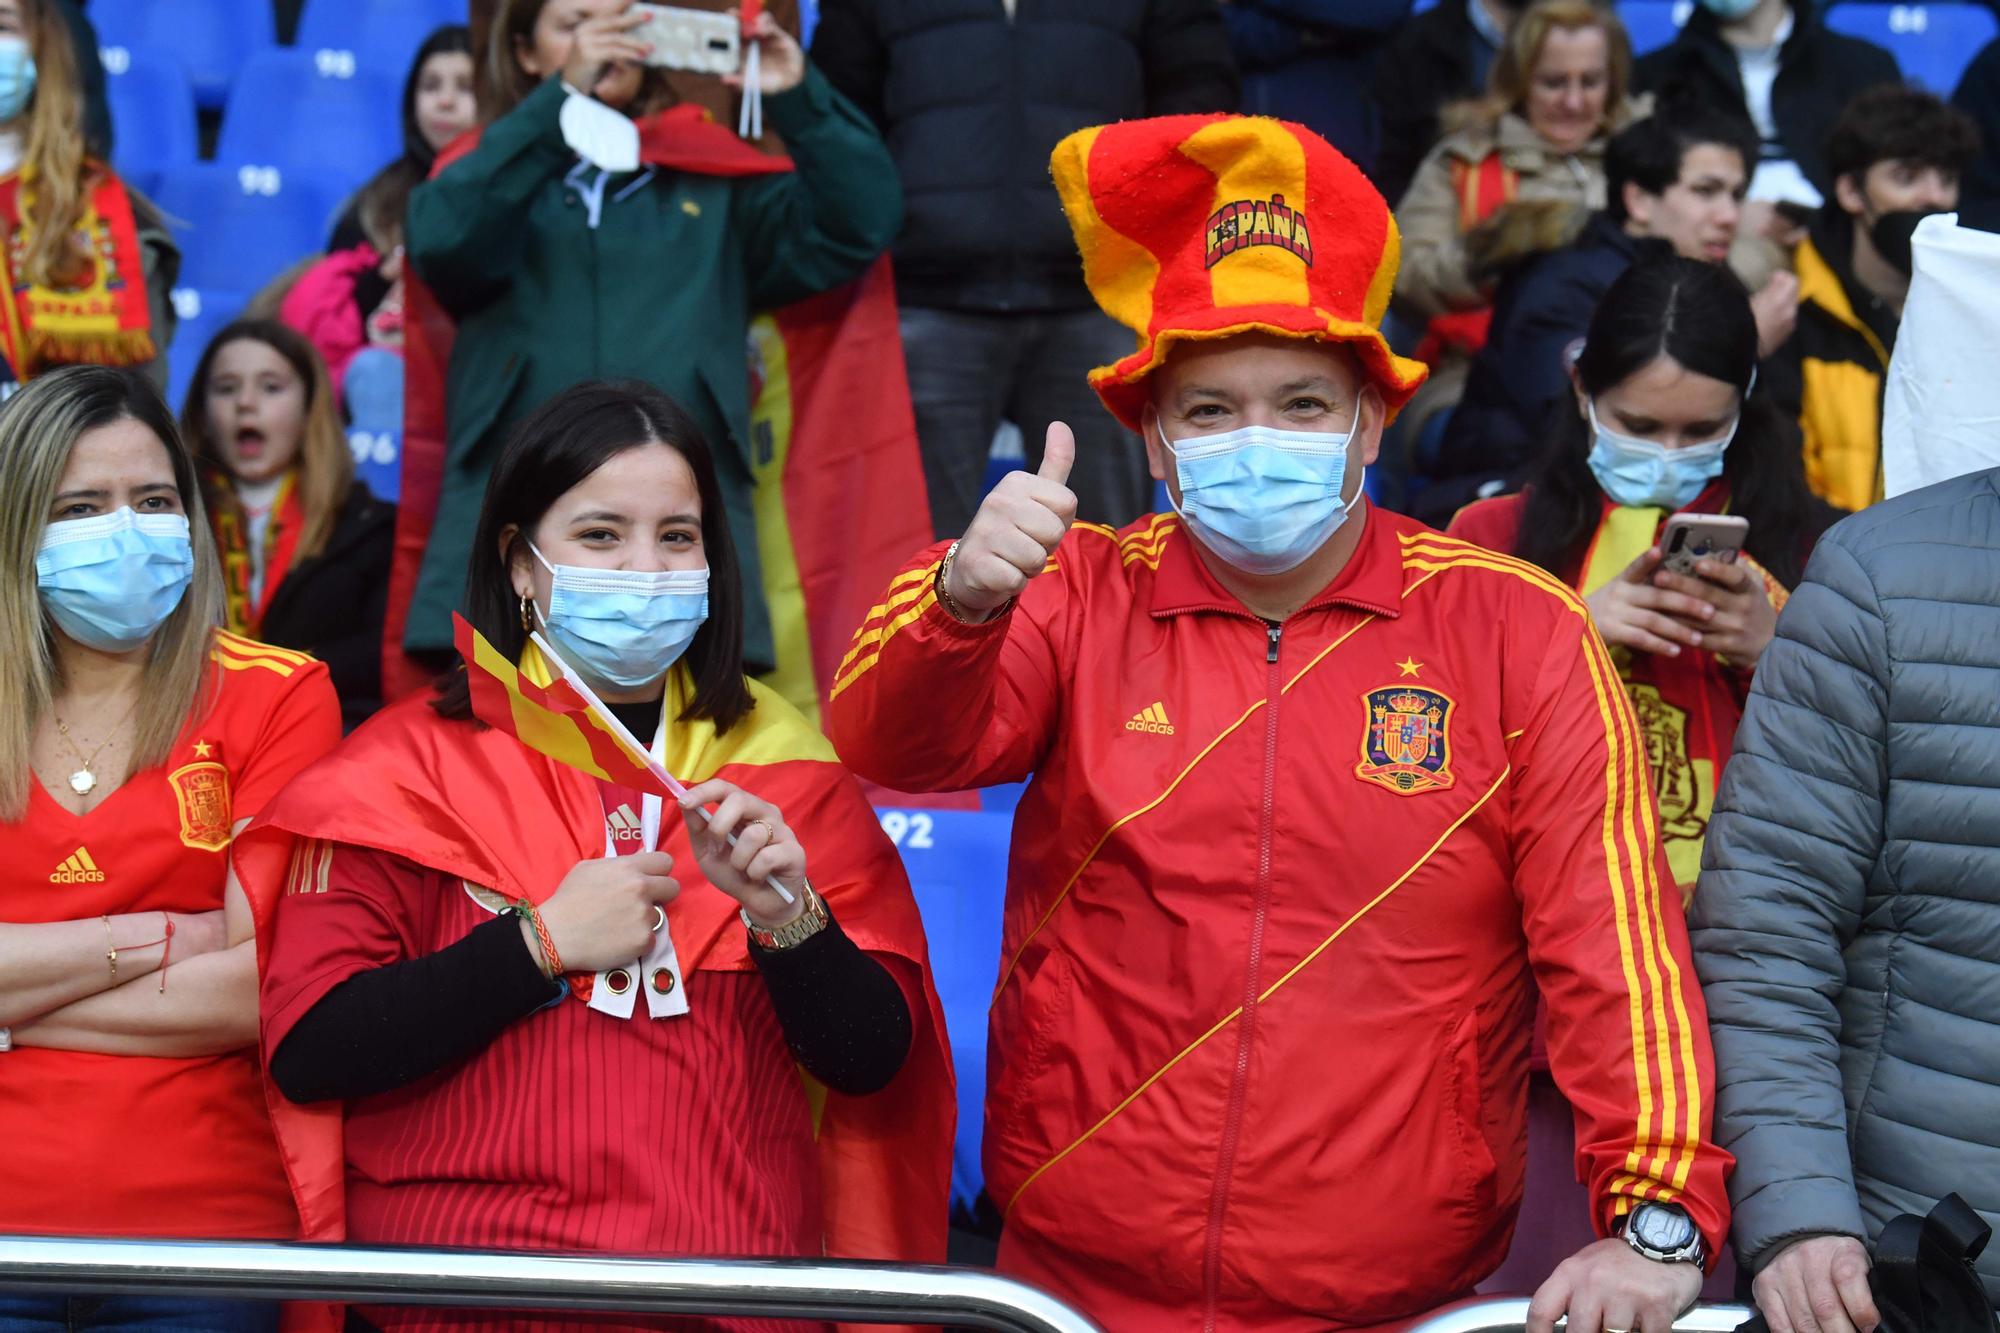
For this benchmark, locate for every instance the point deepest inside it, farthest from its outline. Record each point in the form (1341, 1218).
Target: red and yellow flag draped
(533, 704)
(489, 806)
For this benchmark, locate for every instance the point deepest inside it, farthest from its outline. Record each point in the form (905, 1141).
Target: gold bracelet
(110, 949)
(943, 592)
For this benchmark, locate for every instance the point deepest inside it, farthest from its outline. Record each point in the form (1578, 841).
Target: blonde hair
(326, 462)
(54, 173)
(504, 84)
(1514, 67)
(39, 427)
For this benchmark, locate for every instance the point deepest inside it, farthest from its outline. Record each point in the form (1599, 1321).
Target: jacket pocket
(1464, 1089)
(1033, 1020)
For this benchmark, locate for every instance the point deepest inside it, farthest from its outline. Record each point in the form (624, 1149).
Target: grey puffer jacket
(1847, 923)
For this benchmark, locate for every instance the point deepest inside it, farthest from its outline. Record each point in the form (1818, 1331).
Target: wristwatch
(6, 1040)
(1665, 1233)
(794, 932)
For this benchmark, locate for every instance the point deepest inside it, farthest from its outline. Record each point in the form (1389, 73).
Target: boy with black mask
(1896, 155)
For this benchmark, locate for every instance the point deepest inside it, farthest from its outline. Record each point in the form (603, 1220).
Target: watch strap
(795, 932)
(1695, 1251)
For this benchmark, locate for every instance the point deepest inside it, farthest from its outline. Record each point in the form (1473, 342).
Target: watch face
(1668, 1230)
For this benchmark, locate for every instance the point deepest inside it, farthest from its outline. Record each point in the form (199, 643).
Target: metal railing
(1510, 1315)
(779, 1288)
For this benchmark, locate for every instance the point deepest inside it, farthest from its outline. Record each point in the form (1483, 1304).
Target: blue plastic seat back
(211, 38)
(240, 227)
(203, 312)
(152, 114)
(373, 389)
(383, 34)
(319, 110)
(1932, 43)
(1653, 23)
(957, 862)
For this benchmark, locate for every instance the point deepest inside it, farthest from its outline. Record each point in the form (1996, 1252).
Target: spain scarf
(1687, 706)
(103, 319)
(233, 543)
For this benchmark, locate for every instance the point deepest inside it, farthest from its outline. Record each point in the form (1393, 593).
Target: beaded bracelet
(526, 909)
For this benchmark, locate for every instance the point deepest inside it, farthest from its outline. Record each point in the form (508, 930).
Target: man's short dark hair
(1893, 122)
(1648, 153)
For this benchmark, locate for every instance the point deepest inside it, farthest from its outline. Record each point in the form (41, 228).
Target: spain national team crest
(201, 789)
(1407, 745)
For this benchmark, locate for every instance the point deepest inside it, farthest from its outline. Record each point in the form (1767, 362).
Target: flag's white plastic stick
(610, 720)
(750, 120)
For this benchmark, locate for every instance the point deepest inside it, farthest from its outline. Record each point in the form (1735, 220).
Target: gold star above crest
(1409, 667)
(201, 749)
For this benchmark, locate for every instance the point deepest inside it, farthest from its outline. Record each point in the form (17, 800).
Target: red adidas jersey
(573, 1130)
(1278, 904)
(137, 1146)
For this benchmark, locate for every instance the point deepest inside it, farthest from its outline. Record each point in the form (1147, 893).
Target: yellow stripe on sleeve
(889, 631)
(905, 592)
(1629, 826)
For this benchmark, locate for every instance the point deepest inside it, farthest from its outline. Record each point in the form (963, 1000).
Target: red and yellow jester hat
(1213, 225)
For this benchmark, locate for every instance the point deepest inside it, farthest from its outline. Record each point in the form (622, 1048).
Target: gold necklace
(83, 781)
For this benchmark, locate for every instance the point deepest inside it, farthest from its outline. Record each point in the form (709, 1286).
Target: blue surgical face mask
(1263, 499)
(1642, 474)
(111, 581)
(621, 626)
(1729, 10)
(17, 77)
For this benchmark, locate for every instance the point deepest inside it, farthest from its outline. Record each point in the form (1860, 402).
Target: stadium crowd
(1501, 777)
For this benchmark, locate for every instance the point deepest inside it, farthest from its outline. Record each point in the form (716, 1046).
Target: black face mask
(1892, 235)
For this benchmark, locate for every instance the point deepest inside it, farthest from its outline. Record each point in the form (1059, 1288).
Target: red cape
(477, 804)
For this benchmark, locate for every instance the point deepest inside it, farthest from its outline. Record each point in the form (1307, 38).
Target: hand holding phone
(600, 43)
(1688, 539)
(1700, 561)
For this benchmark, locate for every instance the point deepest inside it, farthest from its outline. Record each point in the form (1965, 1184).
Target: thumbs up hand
(1017, 529)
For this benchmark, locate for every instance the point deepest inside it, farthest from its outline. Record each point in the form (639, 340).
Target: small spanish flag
(536, 706)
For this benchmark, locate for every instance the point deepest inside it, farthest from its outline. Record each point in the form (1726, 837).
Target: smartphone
(699, 40)
(1691, 537)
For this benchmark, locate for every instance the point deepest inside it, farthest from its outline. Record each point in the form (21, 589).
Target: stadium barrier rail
(769, 1289)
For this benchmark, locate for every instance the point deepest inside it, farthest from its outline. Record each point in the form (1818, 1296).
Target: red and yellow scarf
(1687, 706)
(232, 540)
(104, 319)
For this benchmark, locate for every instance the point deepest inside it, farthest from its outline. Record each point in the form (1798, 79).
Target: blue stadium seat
(152, 114)
(239, 227)
(383, 34)
(1653, 23)
(211, 38)
(957, 861)
(1933, 43)
(373, 390)
(312, 109)
(203, 312)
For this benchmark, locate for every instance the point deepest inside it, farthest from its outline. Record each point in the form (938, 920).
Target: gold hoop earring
(527, 615)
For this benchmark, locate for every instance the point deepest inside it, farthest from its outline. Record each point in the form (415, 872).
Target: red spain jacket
(1278, 902)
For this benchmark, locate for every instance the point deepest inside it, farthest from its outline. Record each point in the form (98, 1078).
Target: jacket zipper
(1246, 1028)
